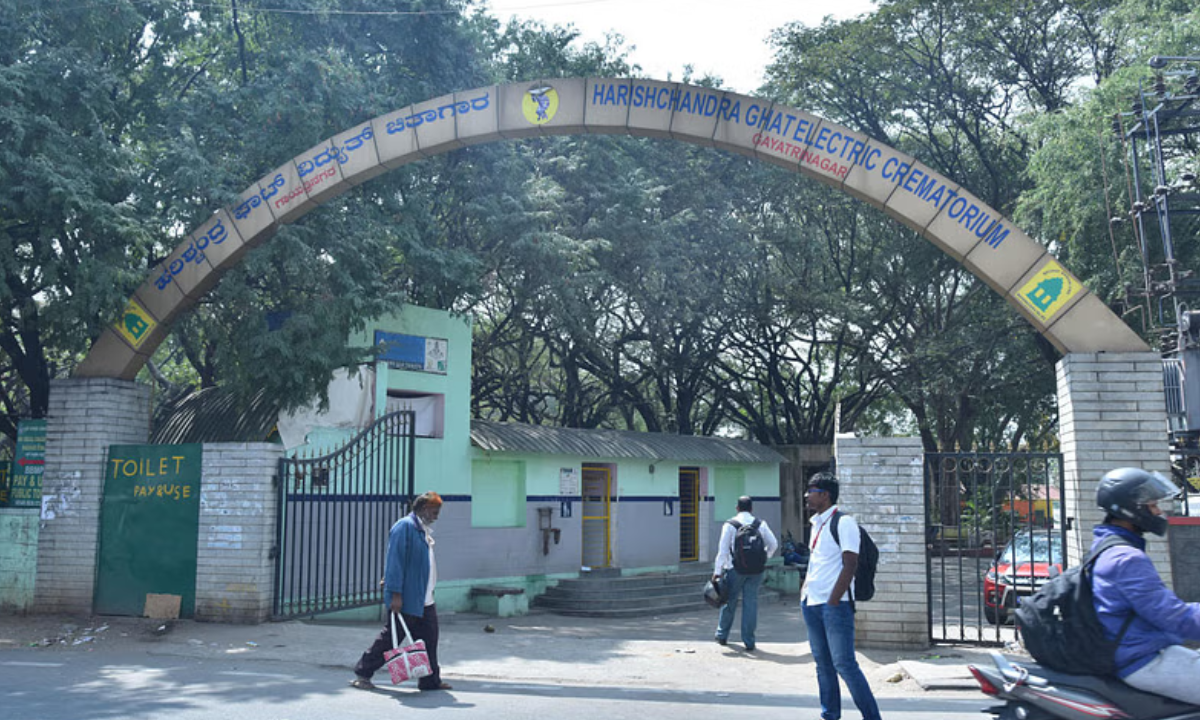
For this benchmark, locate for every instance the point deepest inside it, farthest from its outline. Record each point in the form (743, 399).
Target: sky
(727, 38)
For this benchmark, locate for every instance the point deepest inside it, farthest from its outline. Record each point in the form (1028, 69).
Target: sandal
(362, 684)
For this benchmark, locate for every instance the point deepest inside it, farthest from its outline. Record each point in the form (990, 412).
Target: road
(132, 685)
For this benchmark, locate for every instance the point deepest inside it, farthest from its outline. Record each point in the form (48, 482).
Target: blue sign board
(412, 352)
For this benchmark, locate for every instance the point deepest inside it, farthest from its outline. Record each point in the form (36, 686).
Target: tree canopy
(615, 282)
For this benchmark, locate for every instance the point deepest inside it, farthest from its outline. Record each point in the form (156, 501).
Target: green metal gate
(334, 515)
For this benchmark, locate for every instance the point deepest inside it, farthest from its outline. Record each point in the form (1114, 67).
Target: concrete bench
(499, 601)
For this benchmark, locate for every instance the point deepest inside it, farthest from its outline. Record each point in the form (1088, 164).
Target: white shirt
(724, 559)
(825, 560)
(432, 565)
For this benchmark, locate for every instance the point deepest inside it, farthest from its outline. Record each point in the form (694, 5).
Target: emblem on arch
(540, 104)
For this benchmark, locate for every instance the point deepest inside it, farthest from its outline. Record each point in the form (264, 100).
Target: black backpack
(868, 561)
(749, 550)
(1059, 626)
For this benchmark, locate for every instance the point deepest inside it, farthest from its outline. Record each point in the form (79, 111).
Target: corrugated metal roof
(520, 437)
(215, 415)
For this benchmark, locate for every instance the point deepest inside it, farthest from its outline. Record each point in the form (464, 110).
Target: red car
(1024, 566)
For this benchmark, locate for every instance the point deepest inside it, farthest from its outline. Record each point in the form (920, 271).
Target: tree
(953, 83)
(1082, 170)
(71, 239)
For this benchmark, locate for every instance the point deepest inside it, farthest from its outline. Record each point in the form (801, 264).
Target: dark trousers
(422, 628)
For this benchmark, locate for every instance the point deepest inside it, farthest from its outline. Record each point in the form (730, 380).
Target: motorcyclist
(1151, 656)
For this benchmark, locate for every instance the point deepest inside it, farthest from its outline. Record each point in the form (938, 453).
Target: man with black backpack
(1132, 602)
(746, 543)
(827, 600)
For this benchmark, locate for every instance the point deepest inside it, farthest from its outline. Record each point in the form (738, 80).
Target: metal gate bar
(334, 515)
(994, 530)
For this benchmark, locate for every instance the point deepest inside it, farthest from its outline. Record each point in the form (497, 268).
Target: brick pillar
(882, 485)
(1111, 413)
(235, 567)
(86, 415)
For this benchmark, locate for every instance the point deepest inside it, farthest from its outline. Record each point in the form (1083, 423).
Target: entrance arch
(1044, 292)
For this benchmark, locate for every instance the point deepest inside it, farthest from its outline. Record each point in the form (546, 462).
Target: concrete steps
(609, 594)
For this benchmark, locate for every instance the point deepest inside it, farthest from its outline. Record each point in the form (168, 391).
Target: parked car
(1025, 564)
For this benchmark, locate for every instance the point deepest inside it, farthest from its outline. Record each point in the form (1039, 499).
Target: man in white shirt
(827, 600)
(741, 576)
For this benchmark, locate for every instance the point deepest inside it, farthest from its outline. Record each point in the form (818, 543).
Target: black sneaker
(720, 640)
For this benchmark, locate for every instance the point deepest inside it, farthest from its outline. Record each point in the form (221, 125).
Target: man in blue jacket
(409, 577)
(1126, 587)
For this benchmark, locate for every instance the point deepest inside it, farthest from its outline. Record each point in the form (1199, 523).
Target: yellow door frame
(689, 514)
(596, 525)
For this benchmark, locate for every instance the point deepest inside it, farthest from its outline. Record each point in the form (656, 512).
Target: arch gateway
(1110, 397)
(947, 214)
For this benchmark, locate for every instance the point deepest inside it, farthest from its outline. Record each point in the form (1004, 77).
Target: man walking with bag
(827, 600)
(746, 543)
(409, 578)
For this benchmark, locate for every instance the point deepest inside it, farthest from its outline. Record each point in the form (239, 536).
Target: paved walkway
(673, 652)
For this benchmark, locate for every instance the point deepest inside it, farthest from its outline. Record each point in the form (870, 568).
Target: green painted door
(149, 526)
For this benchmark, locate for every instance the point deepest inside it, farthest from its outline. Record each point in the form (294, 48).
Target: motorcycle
(791, 552)
(1032, 692)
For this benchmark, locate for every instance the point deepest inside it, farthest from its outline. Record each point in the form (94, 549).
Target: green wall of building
(18, 558)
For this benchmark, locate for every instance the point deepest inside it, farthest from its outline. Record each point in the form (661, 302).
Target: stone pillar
(86, 415)
(882, 485)
(1111, 413)
(235, 565)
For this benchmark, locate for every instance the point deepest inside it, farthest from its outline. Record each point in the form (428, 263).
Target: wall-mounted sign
(28, 463)
(568, 481)
(412, 352)
(5, 464)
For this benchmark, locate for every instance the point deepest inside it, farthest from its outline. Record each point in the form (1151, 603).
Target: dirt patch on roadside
(47, 632)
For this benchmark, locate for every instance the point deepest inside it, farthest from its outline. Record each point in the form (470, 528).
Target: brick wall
(85, 416)
(1111, 414)
(234, 566)
(882, 486)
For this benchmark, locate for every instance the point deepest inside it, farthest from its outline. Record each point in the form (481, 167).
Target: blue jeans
(831, 637)
(745, 586)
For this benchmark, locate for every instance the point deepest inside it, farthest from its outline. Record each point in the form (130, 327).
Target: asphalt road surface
(132, 685)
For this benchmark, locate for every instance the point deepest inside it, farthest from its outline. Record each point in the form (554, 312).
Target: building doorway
(689, 514)
(597, 494)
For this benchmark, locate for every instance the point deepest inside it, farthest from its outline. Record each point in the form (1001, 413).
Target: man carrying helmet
(1127, 588)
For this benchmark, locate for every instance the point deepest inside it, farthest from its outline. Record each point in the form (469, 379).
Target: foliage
(615, 282)
(1082, 171)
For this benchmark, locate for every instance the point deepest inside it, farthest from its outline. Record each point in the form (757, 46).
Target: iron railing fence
(334, 513)
(994, 533)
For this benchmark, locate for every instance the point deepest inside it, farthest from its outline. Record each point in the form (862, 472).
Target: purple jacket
(1125, 581)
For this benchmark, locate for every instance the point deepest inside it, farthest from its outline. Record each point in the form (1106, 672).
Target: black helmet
(1125, 492)
(714, 593)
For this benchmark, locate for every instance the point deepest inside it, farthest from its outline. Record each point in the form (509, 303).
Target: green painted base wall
(18, 558)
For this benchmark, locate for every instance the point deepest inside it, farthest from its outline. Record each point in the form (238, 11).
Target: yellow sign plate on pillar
(135, 324)
(1048, 291)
